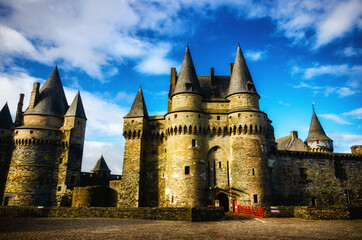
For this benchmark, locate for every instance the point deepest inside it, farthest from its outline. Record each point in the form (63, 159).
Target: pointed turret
(138, 107)
(316, 132)
(241, 80)
(187, 81)
(5, 118)
(101, 166)
(76, 108)
(51, 98)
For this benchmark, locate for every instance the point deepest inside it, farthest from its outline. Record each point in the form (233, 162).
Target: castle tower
(70, 159)
(248, 139)
(317, 139)
(135, 125)
(6, 146)
(41, 146)
(185, 181)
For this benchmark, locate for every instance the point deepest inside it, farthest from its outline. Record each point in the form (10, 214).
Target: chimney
(34, 95)
(212, 76)
(294, 134)
(231, 69)
(173, 77)
(19, 111)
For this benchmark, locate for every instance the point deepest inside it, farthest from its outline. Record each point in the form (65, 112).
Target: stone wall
(6, 149)
(315, 179)
(94, 196)
(175, 214)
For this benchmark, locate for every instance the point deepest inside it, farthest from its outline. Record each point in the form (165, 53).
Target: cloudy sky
(297, 52)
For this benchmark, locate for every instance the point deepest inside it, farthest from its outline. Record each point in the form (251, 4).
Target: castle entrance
(218, 177)
(223, 201)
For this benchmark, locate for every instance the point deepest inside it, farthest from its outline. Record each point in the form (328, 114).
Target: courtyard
(234, 227)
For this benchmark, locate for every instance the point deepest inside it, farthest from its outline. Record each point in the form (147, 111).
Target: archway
(223, 201)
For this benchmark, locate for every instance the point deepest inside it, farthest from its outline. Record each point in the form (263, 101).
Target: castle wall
(33, 173)
(300, 178)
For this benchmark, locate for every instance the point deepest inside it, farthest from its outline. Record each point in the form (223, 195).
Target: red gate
(251, 211)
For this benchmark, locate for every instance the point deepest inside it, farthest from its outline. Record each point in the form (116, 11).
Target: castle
(214, 146)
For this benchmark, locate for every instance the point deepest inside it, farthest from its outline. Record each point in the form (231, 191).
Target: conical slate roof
(187, 80)
(240, 77)
(138, 108)
(76, 108)
(316, 131)
(51, 99)
(101, 166)
(5, 118)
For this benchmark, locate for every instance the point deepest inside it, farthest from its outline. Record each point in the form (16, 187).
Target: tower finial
(313, 105)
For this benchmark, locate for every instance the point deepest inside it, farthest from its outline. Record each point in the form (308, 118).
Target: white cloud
(96, 35)
(343, 92)
(335, 118)
(326, 69)
(340, 20)
(284, 104)
(255, 55)
(351, 52)
(344, 141)
(356, 113)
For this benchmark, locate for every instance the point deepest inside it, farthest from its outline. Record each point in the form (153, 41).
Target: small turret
(317, 139)
(5, 118)
(241, 92)
(186, 95)
(187, 81)
(138, 108)
(76, 108)
(101, 167)
(241, 81)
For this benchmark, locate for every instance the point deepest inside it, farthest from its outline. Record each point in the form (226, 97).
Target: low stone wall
(279, 212)
(322, 213)
(312, 213)
(176, 214)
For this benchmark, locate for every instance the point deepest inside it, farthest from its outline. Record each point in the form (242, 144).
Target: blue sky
(297, 52)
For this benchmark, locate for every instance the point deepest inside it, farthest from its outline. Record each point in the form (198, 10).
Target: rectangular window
(253, 172)
(219, 164)
(59, 188)
(348, 194)
(255, 198)
(6, 201)
(187, 170)
(175, 115)
(218, 117)
(193, 142)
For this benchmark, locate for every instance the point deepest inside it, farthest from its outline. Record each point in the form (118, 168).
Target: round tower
(32, 178)
(248, 139)
(185, 183)
(317, 139)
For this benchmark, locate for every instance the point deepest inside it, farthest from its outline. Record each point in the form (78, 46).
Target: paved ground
(233, 228)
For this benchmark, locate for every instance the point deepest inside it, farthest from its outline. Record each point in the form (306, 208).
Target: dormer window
(188, 86)
(250, 86)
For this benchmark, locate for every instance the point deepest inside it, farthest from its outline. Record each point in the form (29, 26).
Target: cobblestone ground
(233, 228)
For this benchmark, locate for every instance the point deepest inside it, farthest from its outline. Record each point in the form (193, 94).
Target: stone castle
(214, 146)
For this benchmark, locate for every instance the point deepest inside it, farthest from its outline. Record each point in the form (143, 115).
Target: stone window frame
(187, 170)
